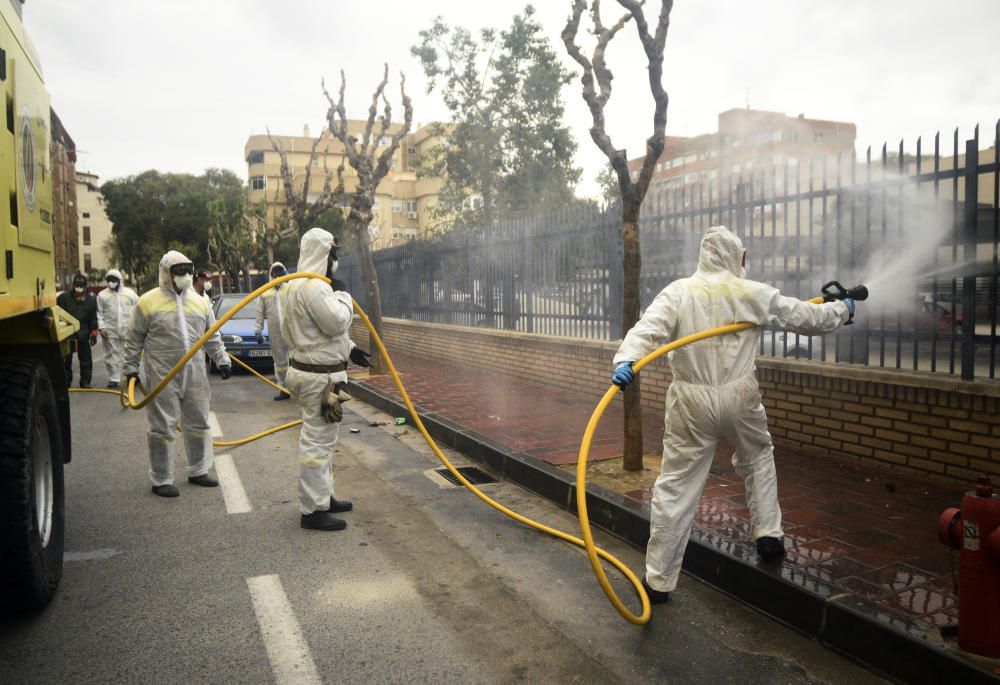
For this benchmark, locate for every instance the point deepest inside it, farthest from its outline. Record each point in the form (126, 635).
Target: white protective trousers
(317, 438)
(697, 416)
(113, 357)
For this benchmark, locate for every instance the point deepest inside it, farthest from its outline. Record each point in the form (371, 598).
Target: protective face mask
(113, 285)
(208, 286)
(78, 289)
(183, 282)
(331, 267)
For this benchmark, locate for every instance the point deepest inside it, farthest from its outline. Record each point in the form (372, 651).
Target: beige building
(95, 227)
(404, 204)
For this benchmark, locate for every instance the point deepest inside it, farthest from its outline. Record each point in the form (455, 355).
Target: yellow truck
(34, 398)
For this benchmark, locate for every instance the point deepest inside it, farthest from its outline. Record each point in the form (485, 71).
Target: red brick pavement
(856, 530)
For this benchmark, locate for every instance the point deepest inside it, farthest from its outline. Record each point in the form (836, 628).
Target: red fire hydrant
(975, 530)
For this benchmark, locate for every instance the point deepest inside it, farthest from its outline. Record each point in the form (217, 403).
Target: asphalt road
(426, 585)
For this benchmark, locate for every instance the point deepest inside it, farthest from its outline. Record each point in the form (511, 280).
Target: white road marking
(104, 553)
(233, 493)
(213, 423)
(287, 649)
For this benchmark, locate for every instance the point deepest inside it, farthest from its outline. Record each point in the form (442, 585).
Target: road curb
(846, 623)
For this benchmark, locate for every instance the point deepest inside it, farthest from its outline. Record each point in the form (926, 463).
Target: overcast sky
(178, 85)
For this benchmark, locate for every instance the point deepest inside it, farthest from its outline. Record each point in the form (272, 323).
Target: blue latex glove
(623, 374)
(850, 307)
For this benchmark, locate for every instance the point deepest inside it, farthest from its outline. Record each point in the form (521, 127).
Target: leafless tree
(596, 80)
(371, 160)
(302, 213)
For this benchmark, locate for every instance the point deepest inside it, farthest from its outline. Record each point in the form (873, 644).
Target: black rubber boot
(770, 549)
(204, 480)
(166, 490)
(321, 520)
(112, 384)
(282, 396)
(655, 596)
(339, 506)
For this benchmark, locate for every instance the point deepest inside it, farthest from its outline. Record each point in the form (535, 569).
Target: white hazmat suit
(114, 307)
(269, 310)
(714, 393)
(163, 328)
(315, 323)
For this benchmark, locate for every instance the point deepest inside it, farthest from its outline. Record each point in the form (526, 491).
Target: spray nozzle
(835, 291)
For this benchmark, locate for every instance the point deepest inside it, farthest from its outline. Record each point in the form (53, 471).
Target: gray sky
(178, 85)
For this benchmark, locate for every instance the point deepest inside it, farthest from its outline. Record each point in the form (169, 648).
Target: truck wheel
(31, 487)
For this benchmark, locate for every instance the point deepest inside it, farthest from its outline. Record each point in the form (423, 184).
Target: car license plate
(260, 353)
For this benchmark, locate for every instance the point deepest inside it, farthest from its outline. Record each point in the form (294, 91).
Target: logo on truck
(27, 149)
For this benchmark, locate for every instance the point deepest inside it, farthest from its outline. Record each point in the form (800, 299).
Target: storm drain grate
(471, 473)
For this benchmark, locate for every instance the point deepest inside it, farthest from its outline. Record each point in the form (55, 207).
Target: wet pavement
(850, 530)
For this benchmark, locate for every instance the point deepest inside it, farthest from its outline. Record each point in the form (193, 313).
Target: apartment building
(404, 203)
(761, 149)
(95, 227)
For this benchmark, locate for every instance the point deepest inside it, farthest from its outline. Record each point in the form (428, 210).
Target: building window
(86, 235)
(393, 165)
(397, 206)
(375, 204)
(258, 183)
(315, 160)
(255, 157)
(411, 150)
(86, 215)
(87, 263)
(818, 138)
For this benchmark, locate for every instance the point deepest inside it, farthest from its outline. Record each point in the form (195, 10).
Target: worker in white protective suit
(269, 310)
(165, 324)
(714, 394)
(315, 322)
(114, 307)
(203, 285)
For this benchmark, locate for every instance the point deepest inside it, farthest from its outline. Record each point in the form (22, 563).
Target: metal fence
(923, 230)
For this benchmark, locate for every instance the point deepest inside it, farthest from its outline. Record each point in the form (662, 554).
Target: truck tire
(32, 518)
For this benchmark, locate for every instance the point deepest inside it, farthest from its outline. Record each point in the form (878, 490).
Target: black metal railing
(923, 228)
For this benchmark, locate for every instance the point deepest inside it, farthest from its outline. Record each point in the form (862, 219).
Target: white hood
(114, 273)
(271, 268)
(314, 250)
(172, 258)
(721, 251)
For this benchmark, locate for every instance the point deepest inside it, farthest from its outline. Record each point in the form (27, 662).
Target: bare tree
(370, 157)
(596, 80)
(302, 213)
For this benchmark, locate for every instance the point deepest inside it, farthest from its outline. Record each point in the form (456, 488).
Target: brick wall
(919, 423)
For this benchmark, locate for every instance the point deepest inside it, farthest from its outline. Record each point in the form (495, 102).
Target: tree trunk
(373, 299)
(632, 266)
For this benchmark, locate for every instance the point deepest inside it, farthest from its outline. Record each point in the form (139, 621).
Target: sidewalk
(850, 531)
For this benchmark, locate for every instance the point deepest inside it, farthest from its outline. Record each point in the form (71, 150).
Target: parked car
(924, 315)
(238, 333)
